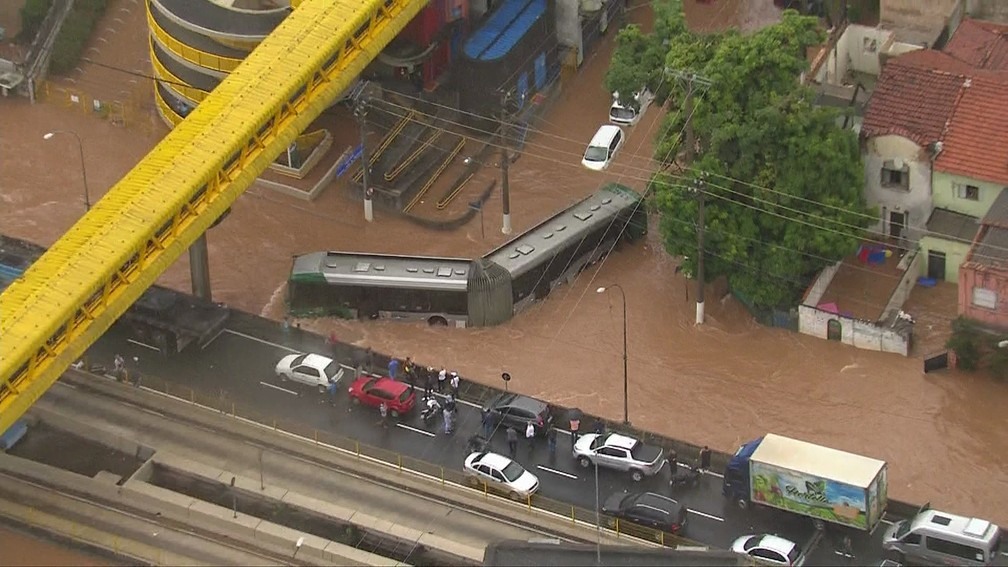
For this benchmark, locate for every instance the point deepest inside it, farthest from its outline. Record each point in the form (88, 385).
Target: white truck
(824, 484)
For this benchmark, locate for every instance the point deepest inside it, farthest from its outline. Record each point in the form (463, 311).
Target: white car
(501, 473)
(770, 549)
(603, 147)
(627, 115)
(312, 370)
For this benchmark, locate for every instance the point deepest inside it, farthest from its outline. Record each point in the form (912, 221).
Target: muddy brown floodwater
(21, 549)
(722, 383)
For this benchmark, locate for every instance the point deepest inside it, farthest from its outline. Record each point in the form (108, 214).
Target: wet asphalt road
(237, 367)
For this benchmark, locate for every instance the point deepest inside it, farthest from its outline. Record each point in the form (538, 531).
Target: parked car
(620, 452)
(517, 411)
(770, 549)
(502, 474)
(647, 509)
(310, 369)
(626, 114)
(603, 147)
(372, 391)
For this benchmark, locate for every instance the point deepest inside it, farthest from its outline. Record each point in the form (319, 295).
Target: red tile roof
(983, 45)
(976, 141)
(915, 96)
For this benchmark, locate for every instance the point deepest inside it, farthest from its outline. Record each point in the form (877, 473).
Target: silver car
(620, 452)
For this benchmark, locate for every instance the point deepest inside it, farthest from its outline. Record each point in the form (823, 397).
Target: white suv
(619, 452)
(312, 370)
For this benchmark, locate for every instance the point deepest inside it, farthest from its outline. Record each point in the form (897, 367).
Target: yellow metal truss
(90, 276)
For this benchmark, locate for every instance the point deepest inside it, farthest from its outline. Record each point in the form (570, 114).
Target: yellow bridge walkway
(87, 279)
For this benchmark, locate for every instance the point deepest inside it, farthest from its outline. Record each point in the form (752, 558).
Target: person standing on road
(673, 461)
(393, 368)
(551, 436)
(449, 420)
(487, 424)
(530, 436)
(331, 388)
(455, 383)
(428, 382)
(575, 425)
(119, 367)
(441, 378)
(512, 440)
(705, 455)
(383, 411)
(409, 370)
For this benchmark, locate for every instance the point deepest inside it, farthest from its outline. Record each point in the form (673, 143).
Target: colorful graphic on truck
(808, 495)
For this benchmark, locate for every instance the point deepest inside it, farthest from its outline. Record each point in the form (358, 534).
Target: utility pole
(505, 159)
(361, 112)
(700, 185)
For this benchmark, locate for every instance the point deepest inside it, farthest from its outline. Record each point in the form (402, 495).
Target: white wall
(858, 50)
(860, 334)
(916, 201)
(911, 271)
(818, 287)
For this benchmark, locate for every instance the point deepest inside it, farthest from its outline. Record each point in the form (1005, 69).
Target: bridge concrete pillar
(199, 268)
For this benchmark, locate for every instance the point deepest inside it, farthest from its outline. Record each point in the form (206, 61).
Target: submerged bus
(460, 292)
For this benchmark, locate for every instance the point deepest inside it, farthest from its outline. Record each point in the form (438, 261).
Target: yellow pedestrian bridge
(87, 279)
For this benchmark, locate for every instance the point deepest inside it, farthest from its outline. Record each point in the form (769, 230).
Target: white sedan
(501, 473)
(770, 549)
(312, 370)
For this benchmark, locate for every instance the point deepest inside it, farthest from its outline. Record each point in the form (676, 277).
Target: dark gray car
(517, 411)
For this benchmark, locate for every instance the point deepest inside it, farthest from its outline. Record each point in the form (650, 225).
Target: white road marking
(214, 338)
(415, 430)
(145, 345)
(268, 385)
(554, 471)
(150, 411)
(887, 522)
(813, 542)
(712, 473)
(263, 341)
(704, 514)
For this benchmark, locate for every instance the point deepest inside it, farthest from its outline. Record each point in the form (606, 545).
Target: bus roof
(525, 250)
(381, 270)
(823, 462)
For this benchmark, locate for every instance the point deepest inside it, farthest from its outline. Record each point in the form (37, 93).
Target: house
(970, 172)
(983, 276)
(901, 134)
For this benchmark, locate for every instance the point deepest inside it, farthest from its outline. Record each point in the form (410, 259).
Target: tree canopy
(783, 182)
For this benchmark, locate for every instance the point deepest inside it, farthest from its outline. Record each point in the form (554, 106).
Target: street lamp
(626, 410)
(80, 148)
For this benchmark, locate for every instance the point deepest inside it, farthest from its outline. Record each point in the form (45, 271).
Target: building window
(985, 298)
(895, 175)
(968, 192)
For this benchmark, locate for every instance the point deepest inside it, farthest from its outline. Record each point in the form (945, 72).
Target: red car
(372, 392)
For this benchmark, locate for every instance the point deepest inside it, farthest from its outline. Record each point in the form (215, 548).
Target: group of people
(427, 376)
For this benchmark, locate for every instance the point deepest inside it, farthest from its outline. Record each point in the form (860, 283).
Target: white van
(627, 115)
(939, 538)
(602, 148)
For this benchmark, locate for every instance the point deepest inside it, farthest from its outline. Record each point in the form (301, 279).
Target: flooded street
(21, 549)
(722, 383)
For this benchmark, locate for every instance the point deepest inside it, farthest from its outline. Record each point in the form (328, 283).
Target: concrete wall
(946, 196)
(955, 253)
(991, 10)
(568, 25)
(911, 269)
(854, 332)
(972, 276)
(818, 287)
(916, 201)
(915, 14)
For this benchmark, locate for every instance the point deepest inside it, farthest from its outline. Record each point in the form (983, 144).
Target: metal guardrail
(412, 465)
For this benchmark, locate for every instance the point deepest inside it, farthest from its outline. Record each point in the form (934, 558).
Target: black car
(647, 509)
(517, 411)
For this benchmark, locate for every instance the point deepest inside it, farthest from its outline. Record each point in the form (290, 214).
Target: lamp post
(80, 149)
(626, 410)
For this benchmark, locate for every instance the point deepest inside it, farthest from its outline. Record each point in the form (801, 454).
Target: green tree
(784, 194)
